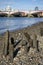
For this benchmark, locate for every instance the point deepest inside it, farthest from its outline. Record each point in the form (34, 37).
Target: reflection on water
(16, 23)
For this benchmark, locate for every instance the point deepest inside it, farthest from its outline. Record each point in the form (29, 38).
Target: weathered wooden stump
(35, 42)
(6, 44)
(29, 39)
(11, 50)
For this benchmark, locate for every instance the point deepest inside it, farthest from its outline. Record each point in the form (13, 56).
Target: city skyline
(22, 4)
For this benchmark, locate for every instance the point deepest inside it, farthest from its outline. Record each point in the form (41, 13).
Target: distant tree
(36, 8)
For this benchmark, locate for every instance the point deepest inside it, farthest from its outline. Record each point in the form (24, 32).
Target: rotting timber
(25, 42)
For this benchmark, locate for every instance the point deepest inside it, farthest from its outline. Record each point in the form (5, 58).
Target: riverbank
(23, 46)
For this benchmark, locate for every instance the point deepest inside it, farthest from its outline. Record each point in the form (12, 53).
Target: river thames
(14, 23)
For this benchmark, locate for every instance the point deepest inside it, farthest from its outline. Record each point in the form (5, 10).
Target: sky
(22, 4)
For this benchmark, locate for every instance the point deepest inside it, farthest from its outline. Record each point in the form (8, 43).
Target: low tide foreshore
(22, 46)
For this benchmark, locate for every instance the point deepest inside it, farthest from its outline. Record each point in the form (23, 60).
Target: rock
(31, 51)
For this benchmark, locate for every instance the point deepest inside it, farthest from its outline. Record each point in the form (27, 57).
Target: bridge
(38, 13)
(12, 13)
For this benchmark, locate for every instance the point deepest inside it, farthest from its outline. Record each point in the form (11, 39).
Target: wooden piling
(6, 44)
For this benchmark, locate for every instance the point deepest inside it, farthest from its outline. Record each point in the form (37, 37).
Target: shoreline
(23, 43)
(19, 29)
(27, 29)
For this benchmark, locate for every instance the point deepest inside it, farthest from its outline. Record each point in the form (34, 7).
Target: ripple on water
(16, 23)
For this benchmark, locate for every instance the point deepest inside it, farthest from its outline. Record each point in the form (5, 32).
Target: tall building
(8, 8)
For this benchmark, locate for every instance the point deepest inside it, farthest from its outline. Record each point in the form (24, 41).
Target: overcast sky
(21, 4)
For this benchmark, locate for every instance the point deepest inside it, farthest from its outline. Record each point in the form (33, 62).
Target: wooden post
(29, 39)
(6, 45)
(11, 50)
(35, 42)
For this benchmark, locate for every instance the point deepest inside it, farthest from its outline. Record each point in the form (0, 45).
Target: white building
(8, 8)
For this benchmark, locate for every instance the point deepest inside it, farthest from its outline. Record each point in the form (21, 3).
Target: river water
(13, 23)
